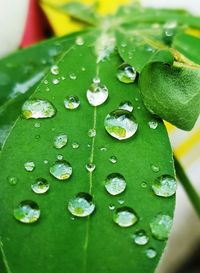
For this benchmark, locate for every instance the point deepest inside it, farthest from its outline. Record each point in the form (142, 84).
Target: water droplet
(161, 226)
(140, 238)
(151, 253)
(12, 180)
(54, 70)
(79, 41)
(60, 141)
(61, 170)
(37, 125)
(125, 217)
(155, 168)
(71, 102)
(90, 167)
(115, 183)
(123, 44)
(153, 124)
(60, 157)
(92, 133)
(46, 161)
(73, 76)
(81, 205)
(126, 105)
(103, 149)
(83, 69)
(37, 108)
(96, 80)
(29, 166)
(97, 94)
(164, 186)
(40, 186)
(120, 124)
(37, 137)
(113, 159)
(126, 73)
(55, 81)
(111, 207)
(46, 82)
(121, 201)
(27, 212)
(75, 145)
(144, 185)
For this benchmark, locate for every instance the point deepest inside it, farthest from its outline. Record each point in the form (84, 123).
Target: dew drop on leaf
(61, 170)
(71, 102)
(37, 108)
(79, 41)
(120, 124)
(96, 80)
(92, 133)
(164, 186)
(140, 238)
(81, 205)
(54, 70)
(12, 180)
(144, 185)
(126, 73)
(113, 159)
(97, 94)
(121, 201)
(111, 207)
(40, 186)
(37, 125)
(73, 76)
(60, 141)
(75, 145)
(153, 124)
(27, 212)
(161, 226)
(151, 253)
(103, 149)
(90, 167)
(125, 217)
(115, 183)
(60, 157)
(126, 105)
(55, 81)
(29, 166)
(155, 168)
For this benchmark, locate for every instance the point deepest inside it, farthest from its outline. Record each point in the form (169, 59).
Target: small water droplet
(140, 238)
(96, 80)
(61, 170)
(40, 186)
(29, 166)
(46, 82)
(92, 133)
(153, 124)
(121, 201)
(115, 183)
(113, 159)
(155, 168)
(60, 141)
(75, 145)
(125, 217)
(161, 226)
(97, 94)
(46, 161)
(144, 185)
(126, 73)
(126, 105)
(37, 125)
(60, 157)
(54, 70)
(55, 81)
(151, 253)
(103, 149)
(83, 69)
(111, 207)
(90, 167)
(71, 102)
(73, 76)
(120, 124)
(37, 108)
(81, 205)
(164, 186)
(79, 41)
(123, 44)
(12, 180)
(37, 137)
(27, 212)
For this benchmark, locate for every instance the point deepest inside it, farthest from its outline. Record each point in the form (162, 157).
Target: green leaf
(21, 72)
(172, 92)
(58, 242)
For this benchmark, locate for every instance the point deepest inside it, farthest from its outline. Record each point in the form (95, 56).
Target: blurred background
(25, 22)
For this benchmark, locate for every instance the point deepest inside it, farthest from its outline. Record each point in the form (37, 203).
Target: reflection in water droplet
(126, 105)
(125, 217)
(115, 183)
(151, 253)
(140, 238)
(75, 145)
(37, 108)
(61, 170)
(164, 186)
(111, 207)
(79, 41)
(71, 102)
(60, 141)
(90, 167)
(12, 180)
(97, 94)
(120, 124)
(54, 70)
(29, 166)
(40, 186)
(81, 205)
(113, 159)
(161, 226)
(27, 212)
(153, 124)
(126, 73)
(155, 168)
(92, 133)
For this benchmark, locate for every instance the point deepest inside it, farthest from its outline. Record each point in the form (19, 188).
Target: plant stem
(187, 185)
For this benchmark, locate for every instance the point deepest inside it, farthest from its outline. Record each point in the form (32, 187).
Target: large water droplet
(27, 212)
(126, 105)
(81, 205)
(60, 141)
(125, 217)
(140, 238)
(40, 186)
(61, 170)
(115, 183)
(120, 124)
(126, 73)
(29, 166)
(97, 94)
(71, 102)
(151, 253)
(161, 226)
(164, 186)
(37, 108)
(90, 167)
